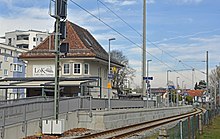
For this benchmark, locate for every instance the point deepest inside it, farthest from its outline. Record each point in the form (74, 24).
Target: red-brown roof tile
(81, 44)
(195, 93)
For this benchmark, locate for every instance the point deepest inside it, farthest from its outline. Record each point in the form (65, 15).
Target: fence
(189, 128)
(21, 111)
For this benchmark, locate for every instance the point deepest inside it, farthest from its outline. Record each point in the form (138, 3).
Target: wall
(98, 69)
(97, 120)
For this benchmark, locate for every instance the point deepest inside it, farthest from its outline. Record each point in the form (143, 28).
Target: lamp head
(111, 39)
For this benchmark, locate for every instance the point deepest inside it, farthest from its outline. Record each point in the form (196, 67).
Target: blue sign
(110, 76)
(147, 78)
(171, 87)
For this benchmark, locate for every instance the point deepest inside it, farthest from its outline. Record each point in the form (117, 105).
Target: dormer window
(88, 42)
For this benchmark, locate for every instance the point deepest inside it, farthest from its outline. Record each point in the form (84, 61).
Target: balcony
(20, 42)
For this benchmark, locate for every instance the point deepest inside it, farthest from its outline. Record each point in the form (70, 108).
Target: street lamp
(177, 95)
(183, 85)
(168, 88)
(109, 72)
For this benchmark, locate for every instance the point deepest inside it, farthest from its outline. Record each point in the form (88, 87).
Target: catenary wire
(147, 39)
(126, 37)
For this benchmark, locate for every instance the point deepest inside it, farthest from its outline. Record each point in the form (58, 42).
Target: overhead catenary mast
(144, 50)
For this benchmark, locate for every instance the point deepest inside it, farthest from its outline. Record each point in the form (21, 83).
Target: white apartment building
(11, 66)
(25, 39)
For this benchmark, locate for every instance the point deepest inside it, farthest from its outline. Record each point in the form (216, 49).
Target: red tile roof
(195, 92)
(81, 44)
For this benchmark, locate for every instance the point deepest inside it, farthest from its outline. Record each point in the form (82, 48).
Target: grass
(212, 131)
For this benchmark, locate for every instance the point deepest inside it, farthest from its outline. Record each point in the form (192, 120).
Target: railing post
(181, 129)
(90, 106)
(3, 127)
(24, 125)
(41, 116)
(200, 124)
(189, 130)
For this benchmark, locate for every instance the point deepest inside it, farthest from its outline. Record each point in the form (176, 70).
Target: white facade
(11, 66)
(25, 39)
(71, 68)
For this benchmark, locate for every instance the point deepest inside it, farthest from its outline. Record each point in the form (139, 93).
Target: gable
(81, 44)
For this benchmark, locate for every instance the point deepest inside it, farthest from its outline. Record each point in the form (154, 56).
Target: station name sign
(43, 70)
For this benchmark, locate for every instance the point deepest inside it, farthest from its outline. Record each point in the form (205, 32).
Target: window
(9, 41)
(11, 67)
(76, 69)
(17, 67)
(0, 51)
(5, 51)
(11, 53)
(34, 39)
(5, 58)
(0, 64)
(5, 72)
(66, 68)
(88, 42)
(86, 68)
(41, 39)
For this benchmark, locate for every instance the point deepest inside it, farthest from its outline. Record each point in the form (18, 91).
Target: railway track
(130, 130)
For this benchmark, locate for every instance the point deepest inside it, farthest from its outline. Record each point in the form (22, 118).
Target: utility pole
(144, 50)
(177, 90)
(207, 71)
(219, 92)
(109, 73)
(168, 92)
(193, 72)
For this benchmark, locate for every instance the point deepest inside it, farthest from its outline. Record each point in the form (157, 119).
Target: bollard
(163, 134)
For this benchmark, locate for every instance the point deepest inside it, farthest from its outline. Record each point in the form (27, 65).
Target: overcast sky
(179, 32)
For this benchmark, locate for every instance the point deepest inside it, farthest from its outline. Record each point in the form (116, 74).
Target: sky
(179, 32)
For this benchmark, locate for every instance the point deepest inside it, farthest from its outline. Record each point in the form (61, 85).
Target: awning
(31, 82)
(68, 83)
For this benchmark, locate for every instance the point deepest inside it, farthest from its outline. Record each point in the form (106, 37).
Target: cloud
(128, 2)
(187, 1)
(150, 1)
(122, 2)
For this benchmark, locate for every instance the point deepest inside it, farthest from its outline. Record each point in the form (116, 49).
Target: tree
(120, 74)
(215, 76)
(201, 85)
(196, 86)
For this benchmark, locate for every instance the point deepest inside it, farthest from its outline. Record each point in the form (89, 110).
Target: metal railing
(21, 111)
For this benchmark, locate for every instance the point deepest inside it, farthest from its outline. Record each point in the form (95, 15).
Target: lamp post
(148, 81)
(168, 88)
(183, 84)
(109, 72)
(177, 95)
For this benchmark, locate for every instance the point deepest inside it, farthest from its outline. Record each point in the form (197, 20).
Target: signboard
(171, 87)
(148, 78)
(109, 86)
(43, 70)
(110, 76)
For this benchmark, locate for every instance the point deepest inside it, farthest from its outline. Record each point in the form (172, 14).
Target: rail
(130, 130)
